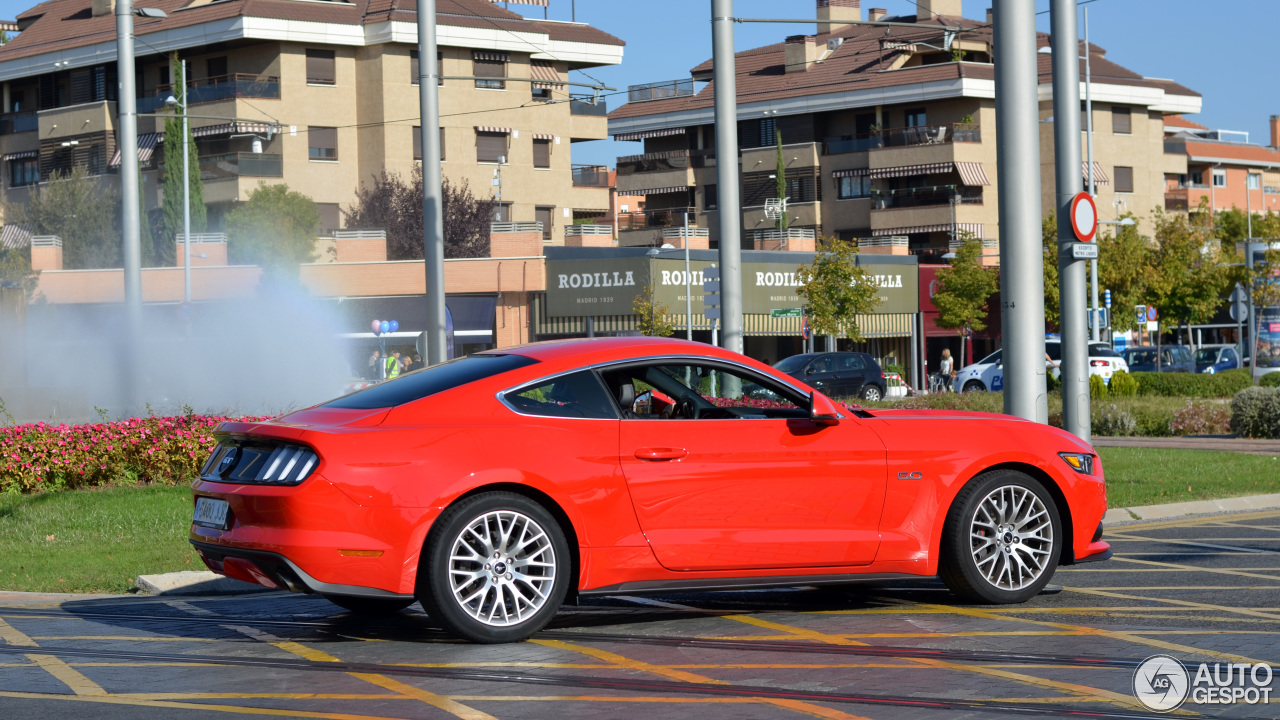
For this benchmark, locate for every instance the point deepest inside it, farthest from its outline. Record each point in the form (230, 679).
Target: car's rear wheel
(871, 392)
(974, 386)
(497, 568)
(1002, 539)
(371, 606)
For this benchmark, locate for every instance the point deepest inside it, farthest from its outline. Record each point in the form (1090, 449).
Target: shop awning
(146, 146)
(974, 228)
(543, 136)
(653, 191)
(646, 134)
(491, 55)
(852, 172)
(544, 75)
(909, 170)
(473, 316)
(1099, 177)
(239, 127)
(22, 155)
(493, 129)
(14, 236)
(972, 173)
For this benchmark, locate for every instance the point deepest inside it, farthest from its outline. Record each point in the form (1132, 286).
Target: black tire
(435, 584)
(872, 393)
(370, 606)
(959, 568)
(975, 386)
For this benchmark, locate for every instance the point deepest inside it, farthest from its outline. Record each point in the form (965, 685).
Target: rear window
(792, 364)
(1102, 350)
(429, 381)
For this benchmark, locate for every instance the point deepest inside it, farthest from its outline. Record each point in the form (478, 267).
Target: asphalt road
(1202, 590)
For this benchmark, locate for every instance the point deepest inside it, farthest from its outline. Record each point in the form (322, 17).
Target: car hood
(1066, 440)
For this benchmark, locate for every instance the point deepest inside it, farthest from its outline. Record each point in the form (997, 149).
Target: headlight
(1209, 370)
(1080, 462)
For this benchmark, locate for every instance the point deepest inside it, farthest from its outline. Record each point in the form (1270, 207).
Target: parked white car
(988, 373)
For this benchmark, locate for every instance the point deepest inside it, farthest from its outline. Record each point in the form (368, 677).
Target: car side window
(579, 395)
(852, 362)
(823, 364)
(1228, 354)
(687, 391)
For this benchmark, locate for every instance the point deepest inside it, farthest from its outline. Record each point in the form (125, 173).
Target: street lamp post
(172, 101)
(688, 291)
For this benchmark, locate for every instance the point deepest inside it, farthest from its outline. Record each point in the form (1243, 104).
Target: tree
(1049, 238)
(964, 289)
(1188, 278)
(15, 269)
(1124, 268)
(652, 315)
(174, 142)
(836, 290)
(391, 204)
(275, 229)
(781, 175)
(81, 210)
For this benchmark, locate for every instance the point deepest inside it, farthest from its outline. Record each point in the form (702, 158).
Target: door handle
(661, 453)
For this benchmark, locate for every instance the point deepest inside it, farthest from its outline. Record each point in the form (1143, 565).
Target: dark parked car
(1212, 360)
(838, 374)
(1173, 358)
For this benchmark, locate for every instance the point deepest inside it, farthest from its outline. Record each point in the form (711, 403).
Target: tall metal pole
(1018, 163)
(688, 284)
(186, 194)
(432, 210)
(727, 174)
(1071, 273)
(1095, 321)
(127, 105)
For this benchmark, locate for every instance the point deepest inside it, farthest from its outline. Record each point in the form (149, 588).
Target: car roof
(592, 350)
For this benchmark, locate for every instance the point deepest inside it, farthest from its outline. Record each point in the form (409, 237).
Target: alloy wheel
(1011, 537)
(502, 568)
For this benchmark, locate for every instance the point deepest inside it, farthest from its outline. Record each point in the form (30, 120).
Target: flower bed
(168, 450)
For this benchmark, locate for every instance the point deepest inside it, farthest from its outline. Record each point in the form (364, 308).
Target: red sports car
(493, 486)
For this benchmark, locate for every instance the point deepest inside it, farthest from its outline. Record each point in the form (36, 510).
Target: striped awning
(665, 132)
(491, 55)
(493, 129)
(909, 170)
(653, 191)
(544, 75)
(238, 127)
(1099, 177)
(854, 172)
(974, 228)
(972, 173)
(14, 236)
(542, 3)
(146, 146)
(20, 155)
(543, 136)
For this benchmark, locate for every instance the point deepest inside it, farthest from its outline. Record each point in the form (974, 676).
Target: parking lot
(1201, 590)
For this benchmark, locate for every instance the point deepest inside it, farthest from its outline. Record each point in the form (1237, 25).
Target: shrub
(1097, 387)
(1255, 413)
(1270, 380)
(1123, 385)
(167, 450)
(1201, 419)
(1111, 420)
(1223, 384)
(1052, 383)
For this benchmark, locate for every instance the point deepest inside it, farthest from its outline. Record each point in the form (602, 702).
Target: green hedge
(1219, 385)
(1270, 380)
(1255, 413)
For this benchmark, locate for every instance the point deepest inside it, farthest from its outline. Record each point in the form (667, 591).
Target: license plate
(211, 513)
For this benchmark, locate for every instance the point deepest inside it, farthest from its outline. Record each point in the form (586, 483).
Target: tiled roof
(1244, 154)
(857, 65)
(63, 24)
(1181, 122)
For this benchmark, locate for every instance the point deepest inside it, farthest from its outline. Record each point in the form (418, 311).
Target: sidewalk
(1225, 443)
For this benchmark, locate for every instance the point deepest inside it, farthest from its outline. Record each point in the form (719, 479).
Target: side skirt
(742, 583)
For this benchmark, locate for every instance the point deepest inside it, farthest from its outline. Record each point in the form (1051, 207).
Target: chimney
(802, 51)
(931, 8)
(876, 14)
(1275, 131)
(103, 7)
(839, 12)
(46, 252)
(991, 15)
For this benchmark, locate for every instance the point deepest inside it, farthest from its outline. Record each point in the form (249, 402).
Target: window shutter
(417, 142)
(490, 146)
(320, 67)
(544, 215)
(1124, 179)
(542, 153)
(1121, 120)
(414, 70)
(323, 143)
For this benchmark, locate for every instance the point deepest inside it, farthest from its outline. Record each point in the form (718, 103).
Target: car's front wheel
(369, 606)
(496, 568)
(974, 386)
(1002, 539)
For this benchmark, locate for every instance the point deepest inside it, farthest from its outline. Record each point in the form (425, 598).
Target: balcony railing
(660, 90)
(930, 135)
(590, 176)
(1189, 186)
(580, 106)
(1174, 202)
(213, 89)
(18, 122)
(1271, 190)
(245, 164)
(666, 160)
(840, 146)
(652, 219)
(923, 197)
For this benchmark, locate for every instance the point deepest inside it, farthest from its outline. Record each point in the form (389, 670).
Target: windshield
(793, 364)
(429, 381)
(992, 359)
(1140, 357)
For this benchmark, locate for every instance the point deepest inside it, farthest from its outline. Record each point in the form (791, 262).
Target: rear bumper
(276, 571)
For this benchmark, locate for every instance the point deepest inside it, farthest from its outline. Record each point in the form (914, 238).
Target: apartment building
(1224, 170)
(322, 96)
(888, 137)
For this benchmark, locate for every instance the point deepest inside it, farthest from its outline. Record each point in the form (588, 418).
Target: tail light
(1100, 363)
(260, 462)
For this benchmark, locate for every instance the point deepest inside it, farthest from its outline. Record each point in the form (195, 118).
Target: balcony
(796, 155)
(841, 146)
(215, 89)
(590, 176)
(244, 164)
(930, 135)
(665, 160)
(657, 219)
(18, 122)
(582, 106)
(925, 197)
(660, 90)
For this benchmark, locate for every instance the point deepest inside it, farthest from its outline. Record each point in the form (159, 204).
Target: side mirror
(810, 370)
(822, 411)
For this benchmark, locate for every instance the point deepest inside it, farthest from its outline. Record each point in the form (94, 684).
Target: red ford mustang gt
(493, 486)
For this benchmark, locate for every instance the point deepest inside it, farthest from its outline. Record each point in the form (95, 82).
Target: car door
(851, 374)
(821, 375)
(749, 483)
(1230, 360)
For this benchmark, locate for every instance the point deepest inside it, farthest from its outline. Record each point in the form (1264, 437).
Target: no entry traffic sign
(1084, 217)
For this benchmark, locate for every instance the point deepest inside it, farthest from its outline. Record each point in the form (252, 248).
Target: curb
(1118, 516)
(189, 582)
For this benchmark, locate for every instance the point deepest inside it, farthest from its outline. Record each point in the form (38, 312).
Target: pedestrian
(946, 371)
(372, 371)
(393, 365)
(406, 363)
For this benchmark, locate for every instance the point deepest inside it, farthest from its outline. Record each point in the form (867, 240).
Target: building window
(330, 217)
(1124, 179)
(217, 67)
(322, 143)
(1253, 181)
(1121, 121)
(1219, 178)
(854, 187)
(542, 153)
(490, 68)
(24, 172)
(710, 197)
(502, 212)
(491, 147)
(414, 71)
(417, 143)
(320, 67)
(545, 215)
(916, 118)
(768, 131)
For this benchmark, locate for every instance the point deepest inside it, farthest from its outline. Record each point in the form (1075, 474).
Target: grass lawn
(94, 540)
(1152, 476)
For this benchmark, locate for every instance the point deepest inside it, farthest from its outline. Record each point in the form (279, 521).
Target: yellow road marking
(14, 636)
(207, 707)
(69, 676)
(1182, 603)
(795, 631)
(1261, 515)
(1192, 568)
(130, 638)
